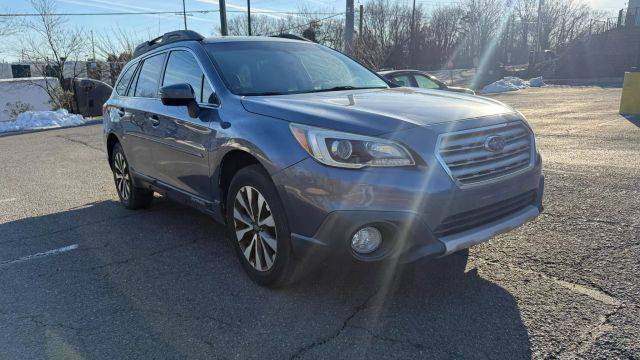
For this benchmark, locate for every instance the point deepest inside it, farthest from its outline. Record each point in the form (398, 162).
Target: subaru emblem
(495, 143)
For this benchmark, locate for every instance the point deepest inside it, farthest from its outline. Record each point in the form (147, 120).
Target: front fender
(267, 139)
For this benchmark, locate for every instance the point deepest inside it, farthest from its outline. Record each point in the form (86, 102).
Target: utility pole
(249, 16)
(412, 36)
(223, 18)
(348, 28)
(360, 21)
(184, 14)
(538, 44)
(93, 46)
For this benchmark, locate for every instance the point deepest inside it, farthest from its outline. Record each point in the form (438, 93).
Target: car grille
(484, 215)
(469, 161)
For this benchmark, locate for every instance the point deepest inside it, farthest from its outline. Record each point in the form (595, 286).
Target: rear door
(141, 131)
(119, 113)
(183, 160)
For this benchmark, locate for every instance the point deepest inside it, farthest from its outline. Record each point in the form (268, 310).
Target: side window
(134, 82)
(403, 80)
(183, 68)
(147, 84)
(207, 91)
(425, 83)
(121, 87)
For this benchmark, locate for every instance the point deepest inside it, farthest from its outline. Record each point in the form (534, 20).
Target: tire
(130, 196)
(258, 228)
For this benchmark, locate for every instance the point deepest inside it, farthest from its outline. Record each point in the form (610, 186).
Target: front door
(183, 162)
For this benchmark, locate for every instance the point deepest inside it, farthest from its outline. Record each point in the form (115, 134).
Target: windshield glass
(275, 68)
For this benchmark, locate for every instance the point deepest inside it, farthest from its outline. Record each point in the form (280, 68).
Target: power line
(112, 13)
(180, 13)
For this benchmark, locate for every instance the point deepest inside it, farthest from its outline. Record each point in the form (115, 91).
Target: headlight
(347, 150)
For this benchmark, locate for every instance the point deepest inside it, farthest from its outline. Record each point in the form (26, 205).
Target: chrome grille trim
(464, 158)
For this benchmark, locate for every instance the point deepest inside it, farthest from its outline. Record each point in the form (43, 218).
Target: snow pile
(536, 82)
(41, 120)
(511, 83)
(507, 84)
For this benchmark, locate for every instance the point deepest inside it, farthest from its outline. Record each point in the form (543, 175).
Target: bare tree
(116, 47)
(441, 34)
(50, 44)
(260, 25)
(386, 34)
(7, 26)
(119, 43)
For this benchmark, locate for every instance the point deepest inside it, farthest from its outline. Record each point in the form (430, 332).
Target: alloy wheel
(121, 173)
(255, 228)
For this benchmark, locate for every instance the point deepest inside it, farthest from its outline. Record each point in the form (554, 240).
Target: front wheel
(258, 228)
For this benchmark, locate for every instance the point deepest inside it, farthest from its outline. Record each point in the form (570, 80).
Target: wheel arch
(232, 162)
(112, 140)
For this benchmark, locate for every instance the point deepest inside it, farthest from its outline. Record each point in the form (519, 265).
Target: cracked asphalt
(164, 282)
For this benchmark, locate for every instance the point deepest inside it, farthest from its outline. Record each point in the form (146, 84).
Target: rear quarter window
(125, 79)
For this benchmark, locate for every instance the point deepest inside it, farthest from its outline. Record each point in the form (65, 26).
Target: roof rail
(290, 36)
(167, 38)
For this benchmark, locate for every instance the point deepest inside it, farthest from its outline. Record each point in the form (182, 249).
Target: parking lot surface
(82, 277)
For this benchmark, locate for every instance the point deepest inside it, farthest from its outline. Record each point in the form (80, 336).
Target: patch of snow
(536, 82)
(29, 120)
(511, 83)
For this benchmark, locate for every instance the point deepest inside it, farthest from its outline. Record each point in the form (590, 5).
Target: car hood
(375, 111)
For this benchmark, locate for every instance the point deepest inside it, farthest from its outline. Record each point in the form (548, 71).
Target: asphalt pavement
(82, 277)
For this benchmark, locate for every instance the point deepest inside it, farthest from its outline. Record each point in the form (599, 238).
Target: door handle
(155, 120)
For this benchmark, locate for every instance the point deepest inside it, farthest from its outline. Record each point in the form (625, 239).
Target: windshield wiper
(346, 87)
(266, 93)
(335, 88)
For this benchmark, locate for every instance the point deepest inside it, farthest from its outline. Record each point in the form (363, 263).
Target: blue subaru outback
(305, 154)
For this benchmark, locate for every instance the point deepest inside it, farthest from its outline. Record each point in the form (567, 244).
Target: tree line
(466, 33)
(388, 34)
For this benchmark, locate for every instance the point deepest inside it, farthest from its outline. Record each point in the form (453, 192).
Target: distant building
(99, 70)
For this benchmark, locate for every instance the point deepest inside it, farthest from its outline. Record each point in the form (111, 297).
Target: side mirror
(180, 95)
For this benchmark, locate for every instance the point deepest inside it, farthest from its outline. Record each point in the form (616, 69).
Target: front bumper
(411, 205)
(406, 235)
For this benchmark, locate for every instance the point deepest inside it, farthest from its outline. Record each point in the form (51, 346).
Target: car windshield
(279, 67)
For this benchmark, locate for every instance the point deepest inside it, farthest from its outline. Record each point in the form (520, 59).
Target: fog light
(366, 240)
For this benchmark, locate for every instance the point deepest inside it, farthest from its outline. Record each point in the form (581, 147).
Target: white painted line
(39, 255)
(7, 200)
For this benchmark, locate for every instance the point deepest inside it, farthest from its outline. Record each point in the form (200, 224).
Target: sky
(206, 24)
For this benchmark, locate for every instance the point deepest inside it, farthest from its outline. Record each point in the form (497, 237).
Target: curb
(30, 131)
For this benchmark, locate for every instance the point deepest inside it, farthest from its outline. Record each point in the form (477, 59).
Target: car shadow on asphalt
(167, 281)
(634, 119)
